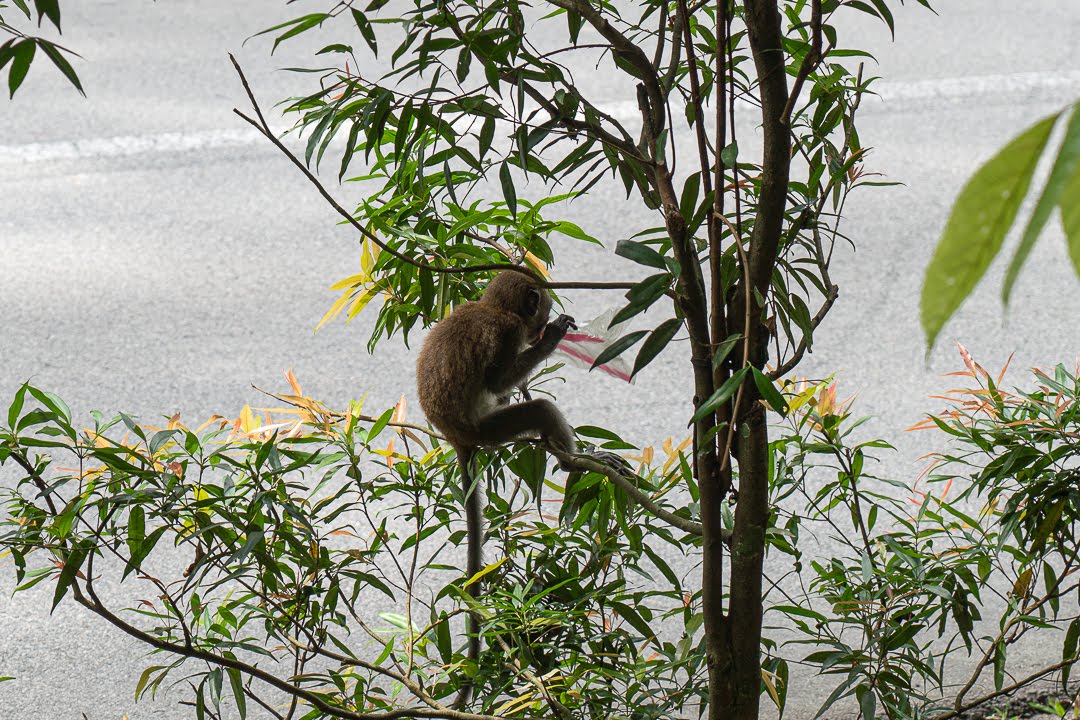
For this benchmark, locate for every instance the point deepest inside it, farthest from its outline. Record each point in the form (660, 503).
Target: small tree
(742, 250)
(287, 530)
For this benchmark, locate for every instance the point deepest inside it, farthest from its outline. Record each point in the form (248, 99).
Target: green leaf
(724, 349)
(640, 253)
(487, 134)
(721, 395)
(618, 347)
(981, 216)
(867, 703)
(642, 296)
(300, 24)
(1065, 167)
(49, 9)
(16, 405)
(366, 30)
(1070, 218)
(509, 194)
(658, 340)
(1068, 650)
(53, 403)
(236, 681)
(730, 154)
(999, 666)
(140, 687)
(72, 563)
(768, 391)
(53, 52)
(22, 56)
(136, 534)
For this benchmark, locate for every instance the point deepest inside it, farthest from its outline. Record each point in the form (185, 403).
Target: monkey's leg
(536, 417)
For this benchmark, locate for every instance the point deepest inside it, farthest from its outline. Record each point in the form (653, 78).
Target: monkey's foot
(604, 456)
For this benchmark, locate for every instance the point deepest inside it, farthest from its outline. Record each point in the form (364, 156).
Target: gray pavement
(156, 257)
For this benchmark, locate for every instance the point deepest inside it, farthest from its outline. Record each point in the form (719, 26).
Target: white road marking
(126, 145)
(893, 93)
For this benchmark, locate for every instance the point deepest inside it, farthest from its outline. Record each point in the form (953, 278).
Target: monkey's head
(519, 294)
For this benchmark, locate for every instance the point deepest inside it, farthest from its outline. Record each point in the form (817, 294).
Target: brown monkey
(468, 366)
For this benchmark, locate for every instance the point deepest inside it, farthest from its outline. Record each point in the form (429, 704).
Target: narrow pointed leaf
(618, 347)
(658, 340)
(981, 216)
(1070, 218)
(1065, 166)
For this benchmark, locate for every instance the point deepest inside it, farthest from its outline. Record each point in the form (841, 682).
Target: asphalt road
(155, 257)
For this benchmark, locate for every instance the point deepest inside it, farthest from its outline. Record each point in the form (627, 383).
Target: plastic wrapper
(581, 347)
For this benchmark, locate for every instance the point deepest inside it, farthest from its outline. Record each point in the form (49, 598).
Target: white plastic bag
(582, 346)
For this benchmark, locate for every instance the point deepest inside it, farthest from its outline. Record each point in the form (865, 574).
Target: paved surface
(154, 257)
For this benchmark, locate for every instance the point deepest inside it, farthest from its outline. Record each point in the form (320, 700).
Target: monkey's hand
(556, 330)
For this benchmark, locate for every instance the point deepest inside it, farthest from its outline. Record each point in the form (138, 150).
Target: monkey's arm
(514, 368)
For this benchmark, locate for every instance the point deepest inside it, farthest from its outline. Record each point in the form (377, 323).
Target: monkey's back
(452, 369)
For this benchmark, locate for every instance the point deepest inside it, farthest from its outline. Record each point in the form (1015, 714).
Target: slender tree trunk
(752, 511)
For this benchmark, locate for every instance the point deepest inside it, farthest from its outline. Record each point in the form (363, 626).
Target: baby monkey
(469, 364)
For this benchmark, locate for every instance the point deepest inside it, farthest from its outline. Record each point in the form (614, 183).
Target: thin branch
(786, 366)
(628, 50)
(413, 687)
(809, 63)
(584, 462)
(744, 261)
(561, 710)
(317, 700)
(35, 476)
(955, 712)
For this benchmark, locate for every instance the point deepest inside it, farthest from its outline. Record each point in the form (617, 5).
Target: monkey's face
(538, 310)
(516, 293)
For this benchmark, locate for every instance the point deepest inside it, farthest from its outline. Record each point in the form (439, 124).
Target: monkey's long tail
(474, 532)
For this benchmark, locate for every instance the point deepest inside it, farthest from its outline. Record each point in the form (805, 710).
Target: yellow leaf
(493, 566)
(511, 706)
(674, 454)
(247, 420)
(367, 258)
(361, 301)
(335, 309)
(353, 281)
(1022, 585)
(537, 264)
(771, 680)
(293, 382)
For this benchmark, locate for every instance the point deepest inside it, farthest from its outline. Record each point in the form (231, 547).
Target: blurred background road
(155, 257)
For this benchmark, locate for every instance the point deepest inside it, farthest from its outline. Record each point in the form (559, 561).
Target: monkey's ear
(532, 302)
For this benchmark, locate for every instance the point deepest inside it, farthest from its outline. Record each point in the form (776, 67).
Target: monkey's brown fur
(474, 358)
(468, 366)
